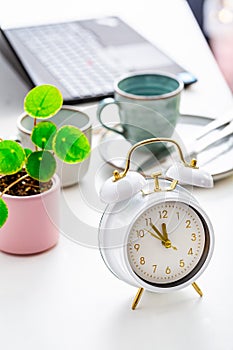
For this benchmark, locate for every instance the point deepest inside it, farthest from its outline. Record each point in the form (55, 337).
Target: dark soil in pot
(26, 187)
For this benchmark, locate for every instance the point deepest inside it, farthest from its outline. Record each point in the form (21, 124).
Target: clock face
(168, 244)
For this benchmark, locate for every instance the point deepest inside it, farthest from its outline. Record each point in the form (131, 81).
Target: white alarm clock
(154, 234)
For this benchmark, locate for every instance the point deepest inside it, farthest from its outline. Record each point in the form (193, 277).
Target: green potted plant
(29, 187)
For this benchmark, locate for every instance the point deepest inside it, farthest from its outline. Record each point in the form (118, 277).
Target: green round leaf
(71, 145)
(27, 151)
(41, 165)
(12, 157)
(3, 212)
(43, 101)
(43, 134)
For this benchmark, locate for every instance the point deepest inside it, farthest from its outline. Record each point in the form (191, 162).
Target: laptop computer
(83, 58)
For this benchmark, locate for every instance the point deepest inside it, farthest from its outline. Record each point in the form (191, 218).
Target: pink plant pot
(33, 222)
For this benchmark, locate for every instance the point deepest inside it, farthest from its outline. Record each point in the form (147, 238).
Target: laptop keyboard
(84, 57)
(73, 56)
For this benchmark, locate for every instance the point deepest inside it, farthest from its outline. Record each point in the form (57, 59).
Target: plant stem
(35, 120)
(13, 183)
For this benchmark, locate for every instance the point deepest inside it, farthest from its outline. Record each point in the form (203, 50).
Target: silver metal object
(215, 124)
(202, 143)
(216, 159)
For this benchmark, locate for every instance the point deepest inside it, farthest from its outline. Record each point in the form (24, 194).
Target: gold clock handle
(117, 176)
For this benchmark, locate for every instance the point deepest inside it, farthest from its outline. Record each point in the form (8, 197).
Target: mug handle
(104, 103)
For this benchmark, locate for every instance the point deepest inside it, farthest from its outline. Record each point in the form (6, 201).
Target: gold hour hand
(163, 238)
(164, 230)
(167, 242)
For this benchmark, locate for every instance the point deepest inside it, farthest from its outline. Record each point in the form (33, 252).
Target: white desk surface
(66, 298)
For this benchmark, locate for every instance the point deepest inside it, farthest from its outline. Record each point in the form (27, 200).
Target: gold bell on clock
(154, 234)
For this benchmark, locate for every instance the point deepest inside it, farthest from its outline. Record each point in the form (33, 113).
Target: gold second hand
(152, 234)
(158, 232)
(168, 244)
(165, 242)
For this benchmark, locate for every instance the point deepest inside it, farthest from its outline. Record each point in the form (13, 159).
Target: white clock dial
(168, 244)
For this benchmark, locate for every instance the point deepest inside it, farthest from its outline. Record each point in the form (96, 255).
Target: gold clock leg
(137, 298)
(197, 289)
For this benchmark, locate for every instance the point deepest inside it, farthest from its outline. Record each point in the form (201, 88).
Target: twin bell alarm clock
(153, 233)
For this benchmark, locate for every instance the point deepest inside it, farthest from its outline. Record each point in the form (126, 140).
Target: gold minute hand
(158, 232)
(152, 234)
(165, 242)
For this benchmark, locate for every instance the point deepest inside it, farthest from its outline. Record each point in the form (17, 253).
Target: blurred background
(215, 18)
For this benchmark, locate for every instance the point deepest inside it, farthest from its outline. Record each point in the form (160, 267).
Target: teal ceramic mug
(148, 104)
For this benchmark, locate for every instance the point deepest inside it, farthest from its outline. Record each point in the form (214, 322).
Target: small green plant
(68, 143)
